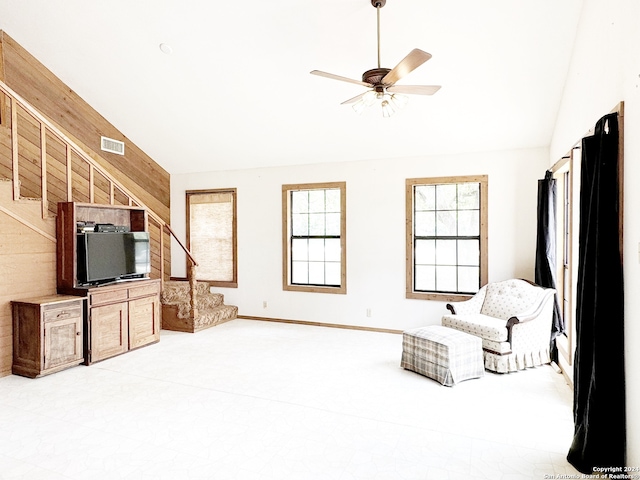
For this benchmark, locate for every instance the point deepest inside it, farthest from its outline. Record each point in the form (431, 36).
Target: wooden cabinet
(47, 334)
(121, 317)
(69, 215)
(144, 321)
(107, 331)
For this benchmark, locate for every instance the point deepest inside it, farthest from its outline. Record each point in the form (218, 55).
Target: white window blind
(211, 235)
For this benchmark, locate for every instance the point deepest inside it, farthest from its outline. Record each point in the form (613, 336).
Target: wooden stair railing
(191, 275)
(45, 127)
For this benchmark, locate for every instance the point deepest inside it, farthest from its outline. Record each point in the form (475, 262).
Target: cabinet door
(62, 342)
(108, 331)
(144, 321)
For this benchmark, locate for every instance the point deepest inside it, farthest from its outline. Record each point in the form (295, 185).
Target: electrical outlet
(264, 304)
(368, 312)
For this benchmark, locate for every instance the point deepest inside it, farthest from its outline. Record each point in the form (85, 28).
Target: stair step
(176, 312)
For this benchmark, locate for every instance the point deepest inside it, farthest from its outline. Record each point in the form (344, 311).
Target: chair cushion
(483, 326)
(510, 298)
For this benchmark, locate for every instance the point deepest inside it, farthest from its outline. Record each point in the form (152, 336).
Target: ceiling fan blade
(408, 64)
(354, 99)
(338, 77)
(414, 89)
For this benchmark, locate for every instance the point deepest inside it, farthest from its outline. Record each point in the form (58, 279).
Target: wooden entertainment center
(119, 316)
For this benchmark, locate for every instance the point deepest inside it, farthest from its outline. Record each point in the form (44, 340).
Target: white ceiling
(236, 91)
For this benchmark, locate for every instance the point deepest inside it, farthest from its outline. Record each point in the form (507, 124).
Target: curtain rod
(619, 109)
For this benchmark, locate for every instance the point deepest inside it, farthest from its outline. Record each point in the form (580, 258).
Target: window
(211, 235)
(446, 237)
(314, 240)
(567, 175)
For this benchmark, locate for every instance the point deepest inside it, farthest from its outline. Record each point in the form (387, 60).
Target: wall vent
(111, 145)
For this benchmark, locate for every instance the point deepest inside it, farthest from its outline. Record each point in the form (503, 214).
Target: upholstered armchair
(513, 318)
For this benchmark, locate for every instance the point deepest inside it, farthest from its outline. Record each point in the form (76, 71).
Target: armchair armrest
(533, 314)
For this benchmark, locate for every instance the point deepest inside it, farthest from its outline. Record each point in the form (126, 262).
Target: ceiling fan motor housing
(375, 76)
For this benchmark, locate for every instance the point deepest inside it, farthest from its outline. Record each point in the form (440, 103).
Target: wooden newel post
(193, 291)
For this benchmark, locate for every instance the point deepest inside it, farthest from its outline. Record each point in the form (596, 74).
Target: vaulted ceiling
(235, 92)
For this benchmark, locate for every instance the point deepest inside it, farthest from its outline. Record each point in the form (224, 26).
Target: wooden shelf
(69, 214)
(120, 316)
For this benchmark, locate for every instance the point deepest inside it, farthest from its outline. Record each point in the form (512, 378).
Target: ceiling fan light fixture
(359, 106)
(400, 101)
(387, 108)
(370, 98)
(366, 100)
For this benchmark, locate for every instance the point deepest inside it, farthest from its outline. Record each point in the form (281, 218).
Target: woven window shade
(211, 235)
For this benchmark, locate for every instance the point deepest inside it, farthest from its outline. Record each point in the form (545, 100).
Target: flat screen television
(105, 257)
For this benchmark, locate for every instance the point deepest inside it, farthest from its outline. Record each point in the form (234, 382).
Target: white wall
(375, 233)
(605, 70)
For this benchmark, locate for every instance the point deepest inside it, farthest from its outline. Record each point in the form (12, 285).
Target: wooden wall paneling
(120, 198)
(7, 103)
(92, 185)
(79, 179)
(155, 235)
(5, 152)
(56, 177)
(160, 209)
(28, 266)
(6, 352)
(4, 117)
(166, 248)
(48, 94)
(43, 167)
(29, 155)
(101, 189)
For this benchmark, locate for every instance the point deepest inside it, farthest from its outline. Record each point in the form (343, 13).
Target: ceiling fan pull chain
(378, 6)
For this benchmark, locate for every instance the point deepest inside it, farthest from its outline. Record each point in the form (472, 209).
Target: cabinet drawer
(63, 313)
(143, 290)
(97, 298)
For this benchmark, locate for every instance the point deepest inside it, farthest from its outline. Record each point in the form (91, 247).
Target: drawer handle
(63, 314)
(78, 333)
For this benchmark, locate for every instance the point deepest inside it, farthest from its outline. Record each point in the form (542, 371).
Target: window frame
(233, 283)
(566, 172)
(286, 238)
(410, 183)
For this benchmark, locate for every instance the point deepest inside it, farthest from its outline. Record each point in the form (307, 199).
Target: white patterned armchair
(513, 318)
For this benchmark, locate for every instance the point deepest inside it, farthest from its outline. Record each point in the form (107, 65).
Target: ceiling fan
(382, 81)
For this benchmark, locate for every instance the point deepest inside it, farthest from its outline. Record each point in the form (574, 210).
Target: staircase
(40, 166)
(178, 314)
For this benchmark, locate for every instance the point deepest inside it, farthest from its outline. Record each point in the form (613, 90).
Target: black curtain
(599, 390)
(545, 271)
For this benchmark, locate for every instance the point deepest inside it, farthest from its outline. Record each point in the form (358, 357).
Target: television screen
(108, 256)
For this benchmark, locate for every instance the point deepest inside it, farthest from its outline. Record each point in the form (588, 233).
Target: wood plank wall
(49, 95)
(27, 259)
(27, 269)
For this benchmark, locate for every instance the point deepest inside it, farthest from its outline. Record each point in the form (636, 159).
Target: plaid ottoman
(444, 354)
